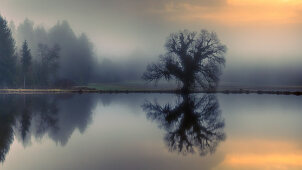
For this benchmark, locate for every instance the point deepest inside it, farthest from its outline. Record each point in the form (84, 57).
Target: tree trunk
(186, 87)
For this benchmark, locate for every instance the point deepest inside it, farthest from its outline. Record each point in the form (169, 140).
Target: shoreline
(87, 90)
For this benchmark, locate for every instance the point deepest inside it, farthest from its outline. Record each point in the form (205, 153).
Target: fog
(263, 76)
(76, 62)
(120, 37)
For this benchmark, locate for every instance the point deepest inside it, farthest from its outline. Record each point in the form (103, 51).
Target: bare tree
(192, 59)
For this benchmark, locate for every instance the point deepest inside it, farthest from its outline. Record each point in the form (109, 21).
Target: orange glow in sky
(273, 11)
(238, 12)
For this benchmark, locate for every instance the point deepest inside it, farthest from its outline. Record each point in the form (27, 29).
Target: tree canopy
(192, 59)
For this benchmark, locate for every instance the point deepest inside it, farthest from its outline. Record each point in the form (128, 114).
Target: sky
(258, 33)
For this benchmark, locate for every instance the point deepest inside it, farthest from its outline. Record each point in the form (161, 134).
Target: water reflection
(193, 123)
(64, 127)
(24, 116)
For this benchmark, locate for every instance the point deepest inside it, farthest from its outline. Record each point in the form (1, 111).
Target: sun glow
(235, 12)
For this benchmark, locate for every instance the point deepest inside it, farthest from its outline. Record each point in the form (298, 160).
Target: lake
(150, 131)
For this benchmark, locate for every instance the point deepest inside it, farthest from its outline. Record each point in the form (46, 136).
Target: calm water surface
(150, 131)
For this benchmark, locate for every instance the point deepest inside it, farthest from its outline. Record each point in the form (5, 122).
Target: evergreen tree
(7, 55)
(26, 62)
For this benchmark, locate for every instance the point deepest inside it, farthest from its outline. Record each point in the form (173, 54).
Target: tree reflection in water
(24, 116)
(194, 123)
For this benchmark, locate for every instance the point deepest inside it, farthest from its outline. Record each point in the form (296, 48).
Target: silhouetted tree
(191, 58)
(7, 55)
(26, 62)
(194, 123)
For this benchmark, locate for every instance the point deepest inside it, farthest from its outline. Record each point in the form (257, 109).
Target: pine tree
(7, 55)
(26, 62)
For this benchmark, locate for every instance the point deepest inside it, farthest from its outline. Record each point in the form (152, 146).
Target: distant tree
(77, 57)
(49, 63)
(192, 59)
(26, 61)
(25, 31)
(7, 55)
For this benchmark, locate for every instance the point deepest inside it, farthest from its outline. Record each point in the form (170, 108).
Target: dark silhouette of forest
(192, 124)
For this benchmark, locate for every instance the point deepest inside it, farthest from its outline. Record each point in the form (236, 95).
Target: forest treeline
(57, 57)
(35, 57)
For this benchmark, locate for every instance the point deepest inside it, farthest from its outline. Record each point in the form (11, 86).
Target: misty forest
(36, 57)
(43, 58)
